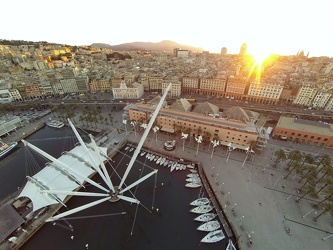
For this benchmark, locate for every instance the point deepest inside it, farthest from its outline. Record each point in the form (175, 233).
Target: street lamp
(230, 148)
(214, 143)
(199, 140)
(184, 137)
(125, 122)
(247, 154)
(155, 129)
(133, 123)
(309, 213)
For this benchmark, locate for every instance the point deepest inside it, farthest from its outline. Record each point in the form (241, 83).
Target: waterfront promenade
(255, 198)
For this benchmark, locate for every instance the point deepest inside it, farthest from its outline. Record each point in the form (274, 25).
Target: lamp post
(214, 143)
(199, 140)
(155, 129)
(184, 137)
(230, 148)
(125, 122)
(327, 237)
(247, 154)
(133, 123)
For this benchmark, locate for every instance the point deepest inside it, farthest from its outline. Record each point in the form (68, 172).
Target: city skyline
(274, 27)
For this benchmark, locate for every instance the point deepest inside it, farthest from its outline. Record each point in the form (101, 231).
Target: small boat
(131, 149)
(6, 148)
(190, 166)
(158, 160)
(54, 123)
(170, 164)
(193, 179)
(213, 236)
(152, 157)
(230, 246)
(162, 161)
(200, 201)
(174, 165)
(209, 226)
(193, 184)
(205, 217)
(143, 153)
(127, 147)
(192, 175)
(193, 171)
(148, 156)
(202, 209)
(166, 162)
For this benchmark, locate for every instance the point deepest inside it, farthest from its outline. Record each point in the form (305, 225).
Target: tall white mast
(144, 136)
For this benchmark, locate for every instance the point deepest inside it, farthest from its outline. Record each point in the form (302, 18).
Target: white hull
(200, 202)
(54, 123)
(205, 217)
(193, 184)
(193, 175)
(202, 209)
(6, 148)
(213, 236)
(209, 226)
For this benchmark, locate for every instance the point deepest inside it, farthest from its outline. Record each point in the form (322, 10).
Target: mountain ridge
(165, 45)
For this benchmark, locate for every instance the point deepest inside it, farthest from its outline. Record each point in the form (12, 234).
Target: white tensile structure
(62, 176)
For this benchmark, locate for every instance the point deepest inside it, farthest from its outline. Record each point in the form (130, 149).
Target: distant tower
(243, 50)
(307, 55)
(223, 51)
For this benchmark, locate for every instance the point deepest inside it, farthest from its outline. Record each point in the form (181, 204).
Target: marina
(122, 231)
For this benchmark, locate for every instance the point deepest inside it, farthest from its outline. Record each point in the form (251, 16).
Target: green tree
(308, 189)
(295, 166)
(327, 207)
(295, 155)
(280, 155)
(327, 182)
(328, 195)
(311, 170)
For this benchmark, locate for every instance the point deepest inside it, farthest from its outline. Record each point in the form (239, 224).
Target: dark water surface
(163, 221)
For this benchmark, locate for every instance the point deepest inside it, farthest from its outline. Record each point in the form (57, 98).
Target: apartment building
(213, 86)
(305, 95)
(264, 92)
(321, 99)
(235, 88)
(190, 84)
(175, 90)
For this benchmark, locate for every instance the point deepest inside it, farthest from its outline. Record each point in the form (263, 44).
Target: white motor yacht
(205, 217)
(202, 209)
(200, 201)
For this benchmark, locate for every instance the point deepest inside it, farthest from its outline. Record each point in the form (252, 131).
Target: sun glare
(258, 66)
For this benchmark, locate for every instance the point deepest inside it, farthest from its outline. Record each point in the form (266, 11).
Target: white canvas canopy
(56, 176)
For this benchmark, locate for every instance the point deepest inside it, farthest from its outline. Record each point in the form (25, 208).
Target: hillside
(160, 46)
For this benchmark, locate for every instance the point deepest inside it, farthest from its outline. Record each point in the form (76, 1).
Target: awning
(235, 146)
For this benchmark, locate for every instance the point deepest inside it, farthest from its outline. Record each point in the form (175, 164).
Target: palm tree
(327, 207)
(328, 195)
(295, 155)
(295, 166)
(307, 159)
(310, 178)
(311, 169)
(328, 170)
(309, 189)
(327, 182)
(280, 155)
(324, 160)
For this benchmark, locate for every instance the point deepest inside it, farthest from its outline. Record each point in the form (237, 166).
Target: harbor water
(161, 221)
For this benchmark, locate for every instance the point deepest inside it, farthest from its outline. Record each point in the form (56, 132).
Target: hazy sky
(267, 26)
